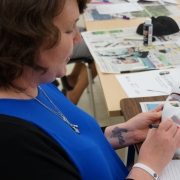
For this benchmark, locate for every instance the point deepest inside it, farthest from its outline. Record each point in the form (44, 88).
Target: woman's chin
(62, 72)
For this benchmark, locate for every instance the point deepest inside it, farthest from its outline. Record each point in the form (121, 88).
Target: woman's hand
(139, 125)
(160, 145)
(158, 149)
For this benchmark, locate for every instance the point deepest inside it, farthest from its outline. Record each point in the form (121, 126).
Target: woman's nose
(77, 37)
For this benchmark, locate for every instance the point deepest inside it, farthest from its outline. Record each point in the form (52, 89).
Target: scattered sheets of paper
(110, 1)
(150, 83)
(118, 8)
(178, 42)
(171, 1)
(110, 49)
(161, 2)
(154, 9)
(168, 1)
(132, 1)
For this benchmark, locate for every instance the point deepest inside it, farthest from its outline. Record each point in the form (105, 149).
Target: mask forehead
(176, 88)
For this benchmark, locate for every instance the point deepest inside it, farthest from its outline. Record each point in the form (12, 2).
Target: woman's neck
(16, 90)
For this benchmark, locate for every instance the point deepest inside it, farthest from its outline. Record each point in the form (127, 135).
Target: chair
(87, 62)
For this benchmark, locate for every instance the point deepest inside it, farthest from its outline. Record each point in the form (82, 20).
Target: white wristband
(147, 169)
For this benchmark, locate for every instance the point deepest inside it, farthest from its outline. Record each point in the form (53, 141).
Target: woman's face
(56, 59)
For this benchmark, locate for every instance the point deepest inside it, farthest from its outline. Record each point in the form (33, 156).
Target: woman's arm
(159, 146)
(119, 135)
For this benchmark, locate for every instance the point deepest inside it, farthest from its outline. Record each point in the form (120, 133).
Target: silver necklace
(58, 113)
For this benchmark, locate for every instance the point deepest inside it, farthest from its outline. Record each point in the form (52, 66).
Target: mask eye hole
(175, 104)
(174, 100)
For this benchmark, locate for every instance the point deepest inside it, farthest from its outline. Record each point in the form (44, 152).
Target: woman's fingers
(166, 124)
(171, 128)
(159, 108)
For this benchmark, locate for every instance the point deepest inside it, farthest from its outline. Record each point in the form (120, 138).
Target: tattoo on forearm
(117, 133)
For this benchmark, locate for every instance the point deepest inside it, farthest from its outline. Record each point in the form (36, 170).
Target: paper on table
(99, 2)
(171, 1)
(132, 1)
(96, 1)
(178, 42)
(150, 83)
(118, 8)
(172, 171)
(161, 2)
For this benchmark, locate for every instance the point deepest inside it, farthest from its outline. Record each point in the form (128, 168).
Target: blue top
(90, 151)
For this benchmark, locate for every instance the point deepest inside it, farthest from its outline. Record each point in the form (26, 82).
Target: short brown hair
(24, 24)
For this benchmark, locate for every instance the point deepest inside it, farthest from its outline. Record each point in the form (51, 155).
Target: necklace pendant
(75, 128)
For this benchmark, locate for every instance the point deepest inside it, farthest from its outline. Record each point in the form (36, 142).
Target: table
(112, 90)
(133, 104)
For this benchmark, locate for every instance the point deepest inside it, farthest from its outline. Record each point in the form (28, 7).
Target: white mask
(172, 108)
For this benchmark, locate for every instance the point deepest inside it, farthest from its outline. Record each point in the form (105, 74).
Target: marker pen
(125, 17)
(147, 32)
(153, 125)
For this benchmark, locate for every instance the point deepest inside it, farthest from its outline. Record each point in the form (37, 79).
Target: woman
(42, 134)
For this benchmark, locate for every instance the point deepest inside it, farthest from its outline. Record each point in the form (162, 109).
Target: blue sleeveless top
(90, 151)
